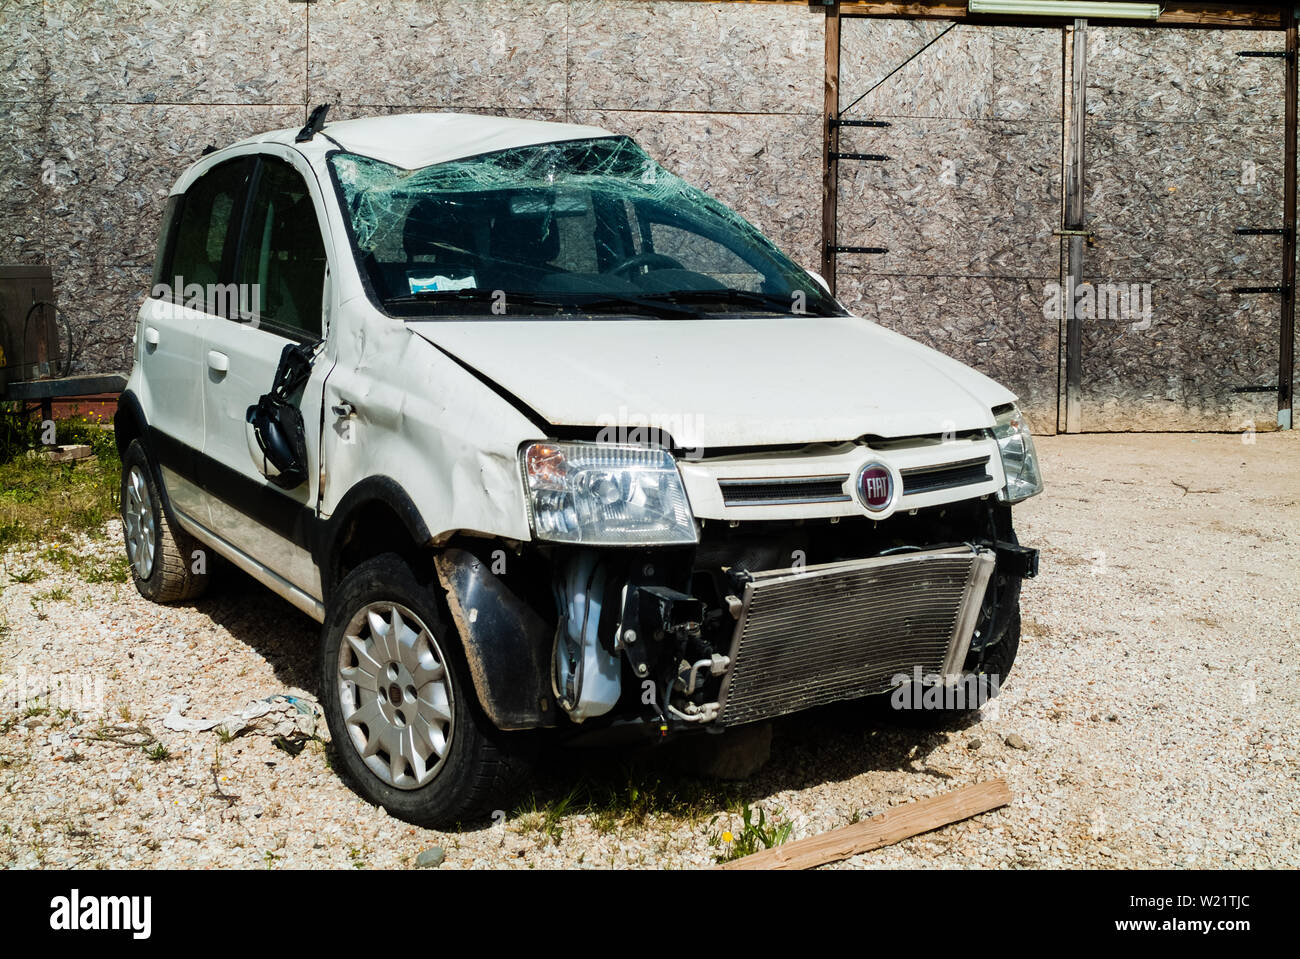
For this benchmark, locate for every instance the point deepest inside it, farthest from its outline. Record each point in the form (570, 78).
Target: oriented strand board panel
(1183, 145)
(182, 51)
(24, 63)
(22, 200)
(1179, 373)
(105, 199)
(994, 324)
(1164, 199)
(1187, 76)
(439, 54)
(696, 57)
(956, 197)
(969, 199)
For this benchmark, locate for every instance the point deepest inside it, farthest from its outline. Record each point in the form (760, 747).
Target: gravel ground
(1150, 721)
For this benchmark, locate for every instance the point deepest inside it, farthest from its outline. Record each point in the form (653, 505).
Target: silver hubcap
(137, 520)
(396, 695)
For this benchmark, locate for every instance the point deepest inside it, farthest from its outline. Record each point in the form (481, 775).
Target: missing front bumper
(845, 630)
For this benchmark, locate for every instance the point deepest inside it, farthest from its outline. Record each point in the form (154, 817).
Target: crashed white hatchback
(549, 440)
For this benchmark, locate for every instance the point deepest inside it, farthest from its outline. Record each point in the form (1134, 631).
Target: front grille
(781, 491)
(843, 630)
(928, 479)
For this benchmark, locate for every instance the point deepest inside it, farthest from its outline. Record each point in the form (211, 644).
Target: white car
(548, 439)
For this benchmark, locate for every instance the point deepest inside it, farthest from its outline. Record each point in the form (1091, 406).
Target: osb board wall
(104, 102)
(969, 198)
(1184, 144)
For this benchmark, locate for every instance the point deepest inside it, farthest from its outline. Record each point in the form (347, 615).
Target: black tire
(473, 770)
(986, 676)
(177, 567)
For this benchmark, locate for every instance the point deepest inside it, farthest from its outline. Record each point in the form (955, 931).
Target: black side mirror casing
(278, 429)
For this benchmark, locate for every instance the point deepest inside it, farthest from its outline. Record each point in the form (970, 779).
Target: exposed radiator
(843, 630)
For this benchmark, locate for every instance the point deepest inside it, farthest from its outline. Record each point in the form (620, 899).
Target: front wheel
(939, 707)
(400, 707)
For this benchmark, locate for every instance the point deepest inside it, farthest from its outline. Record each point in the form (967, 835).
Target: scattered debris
(289, 720)
(1186, 488)
(891, 826)
(1015, 742)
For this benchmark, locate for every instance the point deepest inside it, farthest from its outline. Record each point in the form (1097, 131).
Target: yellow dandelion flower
(727, 836)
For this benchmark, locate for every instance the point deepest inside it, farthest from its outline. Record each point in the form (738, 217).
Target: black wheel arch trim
(130, 410)
(326, 543)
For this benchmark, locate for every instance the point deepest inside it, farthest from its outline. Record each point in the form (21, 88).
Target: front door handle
(150, 336)
(218, 362)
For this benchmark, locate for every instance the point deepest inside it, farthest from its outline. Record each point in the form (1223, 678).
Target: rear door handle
(218, 362)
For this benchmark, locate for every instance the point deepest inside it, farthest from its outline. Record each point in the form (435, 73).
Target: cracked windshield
(578, 228)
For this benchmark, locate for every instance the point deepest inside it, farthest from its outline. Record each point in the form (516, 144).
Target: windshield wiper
(770, 301)
(599, 303)
(473, 295)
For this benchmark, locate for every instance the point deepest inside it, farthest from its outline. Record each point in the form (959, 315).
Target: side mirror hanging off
(274, 430)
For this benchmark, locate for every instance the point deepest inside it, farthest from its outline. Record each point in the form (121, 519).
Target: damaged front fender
(507, 645)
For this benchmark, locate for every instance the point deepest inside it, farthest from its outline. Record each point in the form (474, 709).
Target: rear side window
(282, 259)
(162, 256)
(207, 212)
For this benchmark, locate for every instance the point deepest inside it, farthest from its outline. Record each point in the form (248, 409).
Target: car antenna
(314, 123)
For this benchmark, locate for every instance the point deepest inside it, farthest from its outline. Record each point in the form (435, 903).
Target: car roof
(414, 140)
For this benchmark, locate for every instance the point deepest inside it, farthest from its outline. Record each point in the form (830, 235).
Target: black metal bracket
(1259, 289)
(836, 122)
(876, 157)
(1261, 231)
(1254, 389)
(859, 249)
(1272, 54)
(1016, 560)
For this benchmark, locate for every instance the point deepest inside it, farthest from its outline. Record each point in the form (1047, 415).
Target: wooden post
(830, 142)
(1074, 221)
(1286, 361)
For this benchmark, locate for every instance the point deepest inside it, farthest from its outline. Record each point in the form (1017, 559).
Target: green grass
(48, 503)
(755, 833)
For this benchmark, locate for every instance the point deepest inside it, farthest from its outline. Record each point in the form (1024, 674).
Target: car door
(195, 246)
(280, 272)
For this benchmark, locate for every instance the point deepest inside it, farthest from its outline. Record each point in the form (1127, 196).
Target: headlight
(605, 495)
(1019, 459)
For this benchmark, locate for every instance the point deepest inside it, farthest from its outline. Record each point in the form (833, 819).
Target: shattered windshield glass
(579, 227)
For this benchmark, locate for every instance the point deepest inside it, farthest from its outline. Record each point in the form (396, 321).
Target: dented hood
(724, 382)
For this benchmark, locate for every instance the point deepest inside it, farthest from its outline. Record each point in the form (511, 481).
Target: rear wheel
(401, 710)
(166, 564)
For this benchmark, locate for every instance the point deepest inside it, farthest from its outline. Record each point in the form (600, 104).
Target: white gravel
(1155, 693)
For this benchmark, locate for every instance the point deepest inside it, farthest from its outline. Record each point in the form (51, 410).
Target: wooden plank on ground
(891, 826)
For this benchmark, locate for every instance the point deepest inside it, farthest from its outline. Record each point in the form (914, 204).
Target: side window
(207, 213)
(166, 233)
(282, 263)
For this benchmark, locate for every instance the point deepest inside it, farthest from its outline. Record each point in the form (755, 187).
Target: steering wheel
(651, 261)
